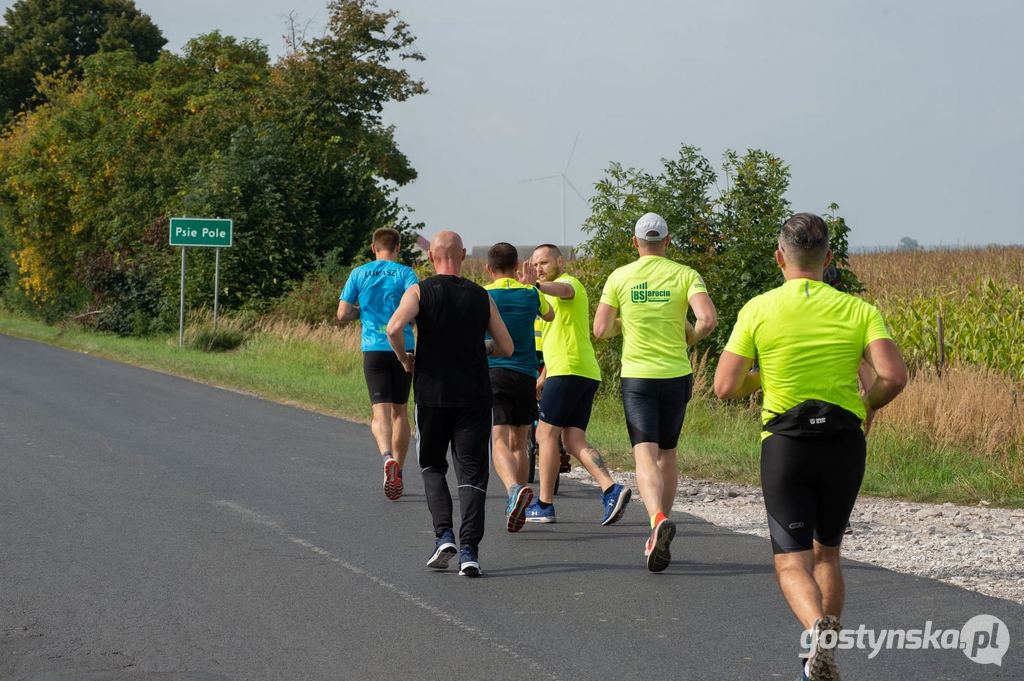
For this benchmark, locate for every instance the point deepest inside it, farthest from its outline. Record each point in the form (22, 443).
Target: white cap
(651, 227)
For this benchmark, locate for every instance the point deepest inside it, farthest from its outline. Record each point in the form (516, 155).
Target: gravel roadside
(974, 547)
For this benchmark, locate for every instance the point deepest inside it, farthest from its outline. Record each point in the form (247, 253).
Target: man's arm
(607, 323)
(707, 317)
(347, 312)
(557, 289)
(528, 275)
(502, 341)
(407, 311)
(733, 377)
(890, 374)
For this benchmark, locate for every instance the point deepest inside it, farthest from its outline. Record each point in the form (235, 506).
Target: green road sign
(208, 232)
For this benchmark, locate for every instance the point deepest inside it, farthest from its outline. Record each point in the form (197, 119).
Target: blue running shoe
(515, 512)
(444, 549)
(536, 514)
(469, 563)
(615, 503)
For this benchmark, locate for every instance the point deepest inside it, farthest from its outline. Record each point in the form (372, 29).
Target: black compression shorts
(655, 409)
(515, 398)
(386, 378)
(810, 486)
(567, 400)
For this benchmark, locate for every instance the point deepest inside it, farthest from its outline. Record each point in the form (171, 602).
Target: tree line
(106, 136)
(109, 144)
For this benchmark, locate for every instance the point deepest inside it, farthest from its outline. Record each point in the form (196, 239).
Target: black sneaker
(469, 564)
(444, 549)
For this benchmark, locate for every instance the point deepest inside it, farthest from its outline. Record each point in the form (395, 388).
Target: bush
(206, 338)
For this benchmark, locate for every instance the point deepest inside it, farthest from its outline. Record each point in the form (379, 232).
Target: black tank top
(451, 362)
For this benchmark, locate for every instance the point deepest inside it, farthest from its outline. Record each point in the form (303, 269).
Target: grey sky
(907, 114)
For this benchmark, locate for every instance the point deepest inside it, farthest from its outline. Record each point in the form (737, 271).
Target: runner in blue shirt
(371, 295)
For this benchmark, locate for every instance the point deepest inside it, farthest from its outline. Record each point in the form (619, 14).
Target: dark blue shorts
(567, 400)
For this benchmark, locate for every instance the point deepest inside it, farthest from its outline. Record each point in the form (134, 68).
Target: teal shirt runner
(518, 306)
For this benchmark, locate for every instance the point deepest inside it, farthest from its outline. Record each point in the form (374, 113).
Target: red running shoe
(392, 480)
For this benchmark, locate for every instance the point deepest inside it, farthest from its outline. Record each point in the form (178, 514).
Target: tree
(908, 244)
(295, 152)
(728, 236)
(45, 36)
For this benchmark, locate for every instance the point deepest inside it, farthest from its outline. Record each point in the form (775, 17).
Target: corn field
(978, 295)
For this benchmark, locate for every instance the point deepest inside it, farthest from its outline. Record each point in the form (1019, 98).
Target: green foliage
(47, 36)
(728, 236)
(294, 152)
(314, 299)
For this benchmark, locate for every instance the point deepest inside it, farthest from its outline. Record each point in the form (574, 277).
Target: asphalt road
(152, 528)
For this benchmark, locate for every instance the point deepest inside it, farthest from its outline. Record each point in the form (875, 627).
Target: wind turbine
(565, 182)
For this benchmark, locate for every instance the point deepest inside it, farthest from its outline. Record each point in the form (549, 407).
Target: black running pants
(467, 431)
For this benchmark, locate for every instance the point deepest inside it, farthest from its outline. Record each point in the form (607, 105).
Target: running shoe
(536, 514)
(657, 548)
(392, 479)
(615, 503)
(822, 661)
(469, 563)
(444, 549)
(515, 512)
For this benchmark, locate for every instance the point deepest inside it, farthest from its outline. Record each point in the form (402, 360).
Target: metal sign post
(181, 309)
(216, 284)
(215, 233)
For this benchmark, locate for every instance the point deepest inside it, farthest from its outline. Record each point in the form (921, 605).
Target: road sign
(203, 232)
(212, 233)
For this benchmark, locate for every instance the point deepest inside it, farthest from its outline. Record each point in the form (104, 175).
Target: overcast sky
(910, 115)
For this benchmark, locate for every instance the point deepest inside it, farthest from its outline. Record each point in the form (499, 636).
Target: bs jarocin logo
(641, 294)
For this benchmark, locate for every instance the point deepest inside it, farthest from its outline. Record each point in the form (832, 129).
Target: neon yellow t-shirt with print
(652, 296)
(567, 347)
(808, 340)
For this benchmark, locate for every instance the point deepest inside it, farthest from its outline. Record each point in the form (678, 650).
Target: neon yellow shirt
(539, 328)
(808, 339)
(567, 347)
(652, 296)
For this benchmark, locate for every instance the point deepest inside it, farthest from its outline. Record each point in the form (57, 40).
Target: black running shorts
(655, 408)
(810, 486)
(386, 378)
(515, 397)
(567, 400)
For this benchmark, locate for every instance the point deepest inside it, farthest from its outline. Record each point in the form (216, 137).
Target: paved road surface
(152, 528)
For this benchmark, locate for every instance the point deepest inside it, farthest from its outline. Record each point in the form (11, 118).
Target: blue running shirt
(377, 287)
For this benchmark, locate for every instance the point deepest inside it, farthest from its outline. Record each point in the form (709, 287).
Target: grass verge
(319, 368)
